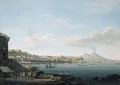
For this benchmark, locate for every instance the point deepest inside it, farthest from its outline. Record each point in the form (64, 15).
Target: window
(4, 64)
(4, 55)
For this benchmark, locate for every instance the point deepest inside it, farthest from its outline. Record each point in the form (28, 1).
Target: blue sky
(62, 27)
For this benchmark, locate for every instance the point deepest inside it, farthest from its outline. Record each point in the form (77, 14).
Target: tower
(3, 49)
(4, 60)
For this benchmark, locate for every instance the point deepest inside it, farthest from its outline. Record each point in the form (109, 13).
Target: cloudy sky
(62, 27)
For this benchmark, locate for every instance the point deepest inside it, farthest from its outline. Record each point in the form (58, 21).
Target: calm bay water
(85, 71)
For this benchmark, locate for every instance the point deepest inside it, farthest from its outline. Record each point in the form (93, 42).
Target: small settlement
(13, 71)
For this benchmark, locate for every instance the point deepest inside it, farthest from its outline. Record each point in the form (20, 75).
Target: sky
(62, 27)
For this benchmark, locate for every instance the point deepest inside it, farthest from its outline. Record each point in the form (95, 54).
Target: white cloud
(108, 37)
(39, 36)
(40, 40)
(76, 41)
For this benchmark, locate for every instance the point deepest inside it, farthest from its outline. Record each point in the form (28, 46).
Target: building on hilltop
(4, 49)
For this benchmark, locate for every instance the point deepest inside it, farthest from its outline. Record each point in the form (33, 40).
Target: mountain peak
(93, 57)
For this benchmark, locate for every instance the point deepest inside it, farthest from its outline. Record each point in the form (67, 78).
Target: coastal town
(22, 56)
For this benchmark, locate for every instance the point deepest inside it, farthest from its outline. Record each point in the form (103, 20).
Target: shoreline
(112, 79)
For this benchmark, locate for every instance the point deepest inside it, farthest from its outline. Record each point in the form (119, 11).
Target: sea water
(83, 71)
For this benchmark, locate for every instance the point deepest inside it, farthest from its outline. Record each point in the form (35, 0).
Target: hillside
(21, 56)
(94, 57)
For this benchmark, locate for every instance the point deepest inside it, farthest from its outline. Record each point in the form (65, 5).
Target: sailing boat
(117, 61)
(91, 63)
(49, 65)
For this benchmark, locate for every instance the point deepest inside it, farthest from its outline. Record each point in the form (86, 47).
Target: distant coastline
(24, 57)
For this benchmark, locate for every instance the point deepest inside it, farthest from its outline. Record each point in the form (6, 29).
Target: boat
(82, 64)
(117, 63)
(91, 63)
(49, 65)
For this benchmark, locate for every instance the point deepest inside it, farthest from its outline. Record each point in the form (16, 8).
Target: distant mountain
(93, 57)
